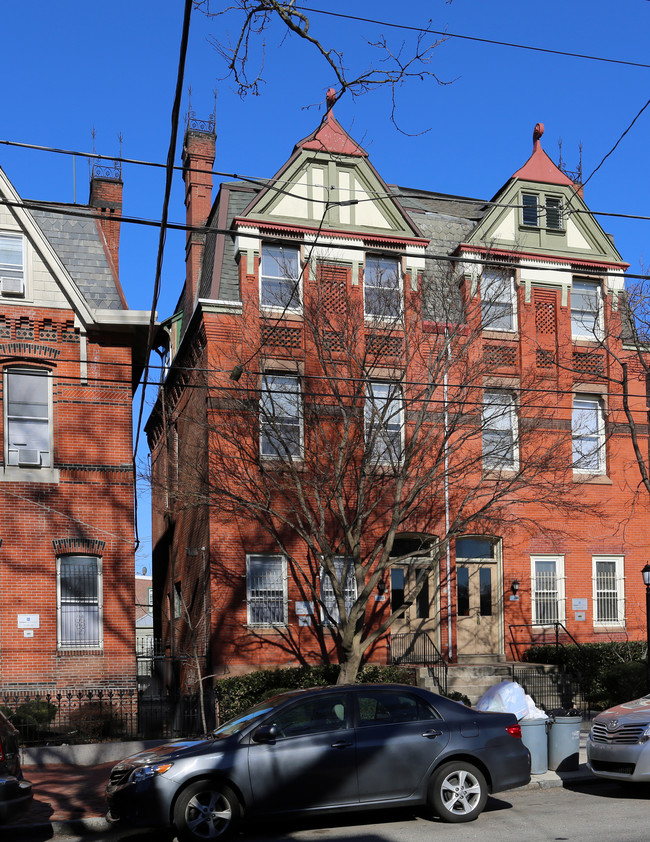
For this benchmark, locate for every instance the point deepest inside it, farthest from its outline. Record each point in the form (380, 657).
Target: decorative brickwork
(588, 362)
(499, 356)
(89, 546)
(281, 337)
(383, 345)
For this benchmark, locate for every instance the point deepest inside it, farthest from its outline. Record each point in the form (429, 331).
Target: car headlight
(646, 735)
(144, 772)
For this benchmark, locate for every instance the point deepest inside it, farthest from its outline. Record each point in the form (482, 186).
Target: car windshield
(234, 726)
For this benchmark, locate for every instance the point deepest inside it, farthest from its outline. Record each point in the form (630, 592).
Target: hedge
(234, 695)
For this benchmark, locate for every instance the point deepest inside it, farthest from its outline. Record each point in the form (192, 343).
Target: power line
(459, 36)
(265, 182)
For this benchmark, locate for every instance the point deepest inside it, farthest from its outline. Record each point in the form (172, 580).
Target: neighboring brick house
(505, 315)
(71, 354)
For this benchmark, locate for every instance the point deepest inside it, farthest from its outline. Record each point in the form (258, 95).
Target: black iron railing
(551, 634)
(418, 649)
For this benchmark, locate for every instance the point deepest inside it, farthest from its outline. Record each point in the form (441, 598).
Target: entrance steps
(472, 680)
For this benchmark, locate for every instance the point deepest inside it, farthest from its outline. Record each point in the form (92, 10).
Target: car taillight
(514, 730)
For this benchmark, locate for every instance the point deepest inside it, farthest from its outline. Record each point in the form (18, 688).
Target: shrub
(234, 695)
(610, 673)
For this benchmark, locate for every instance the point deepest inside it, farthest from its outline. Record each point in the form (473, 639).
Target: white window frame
(537, 589)
(498, 300)
(281, 393)
(377, 274)
(275, 274)
(259, 598)
(13, 277)
(499, 419)
(586, 326)
(612, 591)
(94, 606)
(23, 450)
(582, 434)
(330, 607)
(384, 421)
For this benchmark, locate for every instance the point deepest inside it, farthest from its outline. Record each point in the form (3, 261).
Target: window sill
(500, 473)
(266, 311)
(11, 473)
(592, 479)
(503, 333)
(279, 628)
(610, 628)
(79, 651)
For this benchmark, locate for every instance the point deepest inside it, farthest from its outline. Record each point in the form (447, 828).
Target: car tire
(457, 792)
(206, 810)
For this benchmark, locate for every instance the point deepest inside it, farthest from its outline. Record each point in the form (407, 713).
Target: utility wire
(163, 230)
(459, 36)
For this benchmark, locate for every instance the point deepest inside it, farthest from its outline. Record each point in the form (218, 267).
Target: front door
(479, 617)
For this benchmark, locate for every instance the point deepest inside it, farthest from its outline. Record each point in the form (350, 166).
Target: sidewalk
(71, 797)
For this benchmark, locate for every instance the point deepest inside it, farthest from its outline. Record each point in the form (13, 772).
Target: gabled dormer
(541, 210)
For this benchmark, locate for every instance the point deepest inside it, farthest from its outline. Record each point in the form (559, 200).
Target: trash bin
(564, 741)
(533, 736)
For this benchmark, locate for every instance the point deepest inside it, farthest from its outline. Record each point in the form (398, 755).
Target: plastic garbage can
(564, 743)
(533, 736)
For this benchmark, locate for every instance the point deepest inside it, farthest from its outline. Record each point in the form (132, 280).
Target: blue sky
(72, 66)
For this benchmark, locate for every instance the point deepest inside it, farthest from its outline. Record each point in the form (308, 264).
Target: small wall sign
(29, 621)
(579, 604)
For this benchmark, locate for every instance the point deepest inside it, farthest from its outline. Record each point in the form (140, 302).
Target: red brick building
(71, 354)
(394, 420)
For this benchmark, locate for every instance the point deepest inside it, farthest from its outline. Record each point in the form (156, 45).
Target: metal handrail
(418, 648)
(532, 642)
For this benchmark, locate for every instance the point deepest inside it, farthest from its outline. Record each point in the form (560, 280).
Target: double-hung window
(588, 434)
(609, 595)
(344, 572)
(280, 417)
(28, 418)
(280, 277)
(548, 590)
(79, 602)
(498, 307)
(266, 590)
(382, 294)
(384, 421)
(499, 431)
(586, 310)
(12, 264)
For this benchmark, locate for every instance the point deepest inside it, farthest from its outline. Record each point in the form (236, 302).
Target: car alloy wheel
(458, 792)
(206, 810)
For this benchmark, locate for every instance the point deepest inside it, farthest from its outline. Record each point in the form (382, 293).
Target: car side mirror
(265, 734)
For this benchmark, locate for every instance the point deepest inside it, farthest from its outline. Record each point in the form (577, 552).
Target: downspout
(447, 518)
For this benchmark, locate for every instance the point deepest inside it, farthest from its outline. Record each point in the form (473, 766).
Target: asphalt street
(585, 812)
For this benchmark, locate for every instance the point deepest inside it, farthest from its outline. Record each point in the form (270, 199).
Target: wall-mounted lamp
(514, 587)
(381, 587)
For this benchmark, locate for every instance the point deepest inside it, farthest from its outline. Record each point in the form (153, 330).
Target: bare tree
(380, 438)
(244, 54)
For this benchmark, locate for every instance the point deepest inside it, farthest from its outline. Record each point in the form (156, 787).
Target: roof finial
(330, 98)
(538, 131)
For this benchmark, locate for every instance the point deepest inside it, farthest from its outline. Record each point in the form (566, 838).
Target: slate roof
(77, 242)
(443, 219)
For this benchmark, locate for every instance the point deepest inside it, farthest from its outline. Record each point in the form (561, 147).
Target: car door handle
(341, 744)
(432, 733)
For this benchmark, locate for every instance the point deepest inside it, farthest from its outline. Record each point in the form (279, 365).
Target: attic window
(530, 213)
(553, 213)
(12, 271)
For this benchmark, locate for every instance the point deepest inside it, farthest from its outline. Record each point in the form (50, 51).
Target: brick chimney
(198, 159)
(106, 196)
